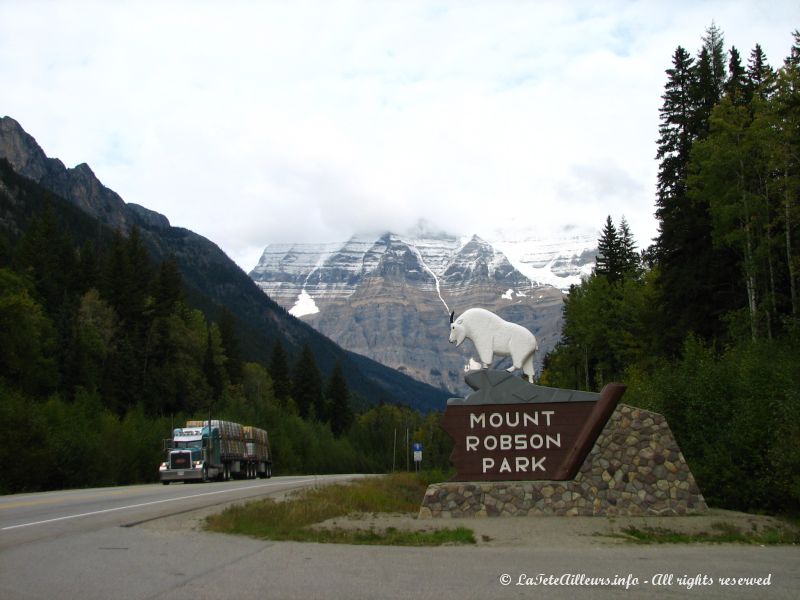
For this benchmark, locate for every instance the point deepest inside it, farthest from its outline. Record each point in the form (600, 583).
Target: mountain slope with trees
(101, 354)
(213, 282)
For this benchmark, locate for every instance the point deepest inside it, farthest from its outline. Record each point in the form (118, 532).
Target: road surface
(117, 543)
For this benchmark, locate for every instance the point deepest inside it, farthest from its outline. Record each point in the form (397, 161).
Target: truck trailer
(230, 451)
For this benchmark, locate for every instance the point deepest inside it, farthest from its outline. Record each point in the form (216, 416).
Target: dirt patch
(563, 532)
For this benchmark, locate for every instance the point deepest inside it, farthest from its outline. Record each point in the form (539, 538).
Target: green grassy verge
(722, 533)
(294, 518)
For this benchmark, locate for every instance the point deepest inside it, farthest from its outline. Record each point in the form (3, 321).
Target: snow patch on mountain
(304, 306)
(558, 262)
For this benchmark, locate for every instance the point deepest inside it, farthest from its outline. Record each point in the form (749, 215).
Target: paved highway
(25, 518)
(118, 543)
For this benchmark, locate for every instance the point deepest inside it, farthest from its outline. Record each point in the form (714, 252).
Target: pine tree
(212, 369)
(760, 76)
(630, 258)
(711, 70)
(736, 86)
(279, 371)
(341, 415)
(230, 342)
(609, 253)
(307, 384)
(168, 287)
(676, 134)
(696, 281)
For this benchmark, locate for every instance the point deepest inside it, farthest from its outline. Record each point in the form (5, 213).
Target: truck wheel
(205, 474)
(165, 482)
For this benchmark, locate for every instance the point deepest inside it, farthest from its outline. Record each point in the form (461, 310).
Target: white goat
(492, 336)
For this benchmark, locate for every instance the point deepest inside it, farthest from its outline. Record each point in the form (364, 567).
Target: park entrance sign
(512, 430)
(523, 450)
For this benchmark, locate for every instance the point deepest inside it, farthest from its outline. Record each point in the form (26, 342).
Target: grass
(722, 533)
(294, 518)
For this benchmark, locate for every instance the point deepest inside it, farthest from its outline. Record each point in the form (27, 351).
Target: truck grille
(180, 460)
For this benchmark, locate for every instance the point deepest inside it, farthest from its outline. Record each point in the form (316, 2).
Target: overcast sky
(259, 122)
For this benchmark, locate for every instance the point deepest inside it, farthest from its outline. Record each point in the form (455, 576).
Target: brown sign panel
(526, 440)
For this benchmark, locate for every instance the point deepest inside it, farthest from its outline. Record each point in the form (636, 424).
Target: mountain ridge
(406, 288)
(213, 278)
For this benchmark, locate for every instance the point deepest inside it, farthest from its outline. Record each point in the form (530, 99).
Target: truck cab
(189, 457)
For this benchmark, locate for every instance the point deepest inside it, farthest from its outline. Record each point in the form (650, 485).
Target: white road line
(108, 510)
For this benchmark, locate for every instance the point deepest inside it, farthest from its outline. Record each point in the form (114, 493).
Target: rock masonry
(635, 468)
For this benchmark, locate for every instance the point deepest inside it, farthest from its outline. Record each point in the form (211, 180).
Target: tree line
(101, 356)
(703, 324)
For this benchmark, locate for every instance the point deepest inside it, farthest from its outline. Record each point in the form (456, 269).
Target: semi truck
(223, 451)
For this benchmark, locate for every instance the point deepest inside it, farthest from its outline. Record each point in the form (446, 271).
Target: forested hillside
(101, 355)
(703, 325)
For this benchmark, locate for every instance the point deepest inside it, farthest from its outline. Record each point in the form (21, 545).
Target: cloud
(254, 123)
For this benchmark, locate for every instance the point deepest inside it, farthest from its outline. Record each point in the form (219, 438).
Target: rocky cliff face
(79, 184)
(389, 298)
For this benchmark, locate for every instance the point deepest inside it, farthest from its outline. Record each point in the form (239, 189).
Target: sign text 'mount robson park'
(522, 419)
(544, 435)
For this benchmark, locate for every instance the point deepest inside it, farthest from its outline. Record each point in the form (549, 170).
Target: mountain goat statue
(492, 336)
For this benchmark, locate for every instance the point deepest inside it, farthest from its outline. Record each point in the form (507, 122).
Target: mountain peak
(78, 185)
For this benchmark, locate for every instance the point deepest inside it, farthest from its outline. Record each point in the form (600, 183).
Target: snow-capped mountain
(389, 298)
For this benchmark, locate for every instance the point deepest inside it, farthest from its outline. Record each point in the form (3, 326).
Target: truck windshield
(192, 444)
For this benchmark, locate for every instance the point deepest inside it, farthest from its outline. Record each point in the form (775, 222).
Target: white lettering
(505, 466)
(495, 422)
(490, 442)
(534, 419)
(522, 463)
(505, 442)
(477, 419)
(537, 464)
(556, 441)
(472, 442)
(548, 414)
(520, 443)
(488, 463)
(536, 441)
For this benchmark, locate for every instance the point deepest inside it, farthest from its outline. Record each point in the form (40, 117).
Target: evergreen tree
(697, 283)
(676, 134)
(341, 415)
(212, 369)
(736, 86)
(279, 371)
(609, 261)
(307, 384)
(711, 70)
(760, 76)
(230, 342)
(168, 287)
(630, 259)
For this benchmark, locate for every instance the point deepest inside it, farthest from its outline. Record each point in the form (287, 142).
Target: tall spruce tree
(630, 259)
(760, 76)
(307, 384)
(234, 364)
(338, 396)
(279, 371)
(676, 134)
(696, 281)
(736, 86)
(609, 253)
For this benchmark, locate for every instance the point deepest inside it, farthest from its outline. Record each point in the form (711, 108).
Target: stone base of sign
(635, 468)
